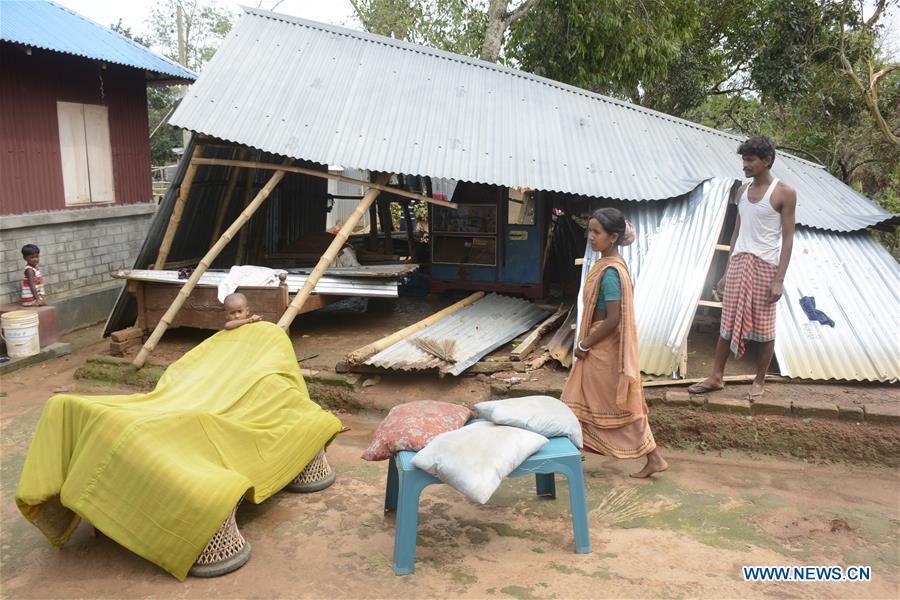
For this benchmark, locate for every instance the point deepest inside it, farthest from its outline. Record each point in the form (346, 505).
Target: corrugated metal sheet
(30, 87)
(338, 96)
(50, 26)
(855, 281)
(669, 261)
(368, 287)
(477, 330)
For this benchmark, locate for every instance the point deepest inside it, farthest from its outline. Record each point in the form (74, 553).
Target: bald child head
(236, 306)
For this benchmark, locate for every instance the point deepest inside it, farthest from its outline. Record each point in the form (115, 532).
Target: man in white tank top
(754, 280)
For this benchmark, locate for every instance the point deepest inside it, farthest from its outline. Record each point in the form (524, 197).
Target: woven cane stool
(316, 476)
(406, 482)
(227, 551)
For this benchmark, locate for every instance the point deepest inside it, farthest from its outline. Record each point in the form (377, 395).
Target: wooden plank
(324, 175)
(682, 366)
(129, 333)
(531, 342)
(727, 378)
(709, 303)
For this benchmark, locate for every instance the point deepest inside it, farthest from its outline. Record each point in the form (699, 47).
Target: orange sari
(604, 389)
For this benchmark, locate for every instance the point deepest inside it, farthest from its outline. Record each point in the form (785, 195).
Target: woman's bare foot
(655, 464)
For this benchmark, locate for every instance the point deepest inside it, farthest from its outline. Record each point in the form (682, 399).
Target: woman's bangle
(580, 347)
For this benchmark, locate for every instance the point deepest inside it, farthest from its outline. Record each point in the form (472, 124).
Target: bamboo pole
(297, 303)
(207, 260)
(226, 199)
(366, 352)
(242, 241)
(183, 191)
(223, 162)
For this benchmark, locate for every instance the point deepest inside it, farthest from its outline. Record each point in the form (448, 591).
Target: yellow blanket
(160, 472)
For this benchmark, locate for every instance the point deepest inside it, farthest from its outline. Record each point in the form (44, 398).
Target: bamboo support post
(530, 342)
(226, 199)
(242, 241)
(175, 219)
(366, 352)
(324, 175)
(207, 260)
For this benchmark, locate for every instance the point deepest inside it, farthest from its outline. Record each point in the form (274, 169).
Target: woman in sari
(604, 388)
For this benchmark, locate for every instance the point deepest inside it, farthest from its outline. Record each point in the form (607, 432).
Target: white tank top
(760, 232)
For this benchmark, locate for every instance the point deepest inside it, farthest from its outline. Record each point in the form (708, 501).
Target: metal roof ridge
(503, 69)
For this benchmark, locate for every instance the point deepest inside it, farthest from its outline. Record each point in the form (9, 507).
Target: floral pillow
(412, 425)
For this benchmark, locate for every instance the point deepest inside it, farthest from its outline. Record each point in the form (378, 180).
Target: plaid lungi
(746, 312)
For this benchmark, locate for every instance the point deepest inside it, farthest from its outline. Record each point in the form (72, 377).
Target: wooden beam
(222, 162)
(175, 219)
(709, 303)
(726, 379)
(682, 366)
(207, 260)
(529, 343)
(366, 352)
(336, 244)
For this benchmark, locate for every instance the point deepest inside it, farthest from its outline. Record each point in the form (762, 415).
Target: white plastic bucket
(20, 332)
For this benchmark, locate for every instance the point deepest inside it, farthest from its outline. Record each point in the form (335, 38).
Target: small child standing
(237, 311)
(33, 281)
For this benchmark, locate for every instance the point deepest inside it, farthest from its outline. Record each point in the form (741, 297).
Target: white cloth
(760, 232)
(541, 414)
(474, 459)
(247, 275)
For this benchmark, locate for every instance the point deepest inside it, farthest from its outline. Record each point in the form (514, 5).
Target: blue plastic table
(406, 482)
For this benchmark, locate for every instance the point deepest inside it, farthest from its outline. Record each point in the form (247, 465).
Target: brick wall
(78, 254)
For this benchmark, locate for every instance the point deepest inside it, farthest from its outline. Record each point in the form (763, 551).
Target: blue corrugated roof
(50, 26)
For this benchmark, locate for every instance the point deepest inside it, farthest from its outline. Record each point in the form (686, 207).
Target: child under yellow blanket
(160, 472)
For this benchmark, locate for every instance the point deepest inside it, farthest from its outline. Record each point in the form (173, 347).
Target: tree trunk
(493, 35)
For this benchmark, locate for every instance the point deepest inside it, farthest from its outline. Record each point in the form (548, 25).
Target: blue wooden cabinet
(494, 241)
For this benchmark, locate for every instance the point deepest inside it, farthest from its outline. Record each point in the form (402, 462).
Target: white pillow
(474, 459)
(541, 414)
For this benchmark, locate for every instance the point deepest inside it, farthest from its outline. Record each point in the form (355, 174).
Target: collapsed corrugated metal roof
(855, 281)
(669, 261)
(339, 96)
(48, 25)
(473, 332)
(853, 278)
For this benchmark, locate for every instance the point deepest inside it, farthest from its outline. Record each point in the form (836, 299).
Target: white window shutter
(99, 153)
(73, 152)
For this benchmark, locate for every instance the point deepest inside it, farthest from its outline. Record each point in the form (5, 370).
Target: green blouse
(610, 288)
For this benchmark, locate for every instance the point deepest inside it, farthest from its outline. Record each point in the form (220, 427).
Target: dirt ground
(686, 533)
